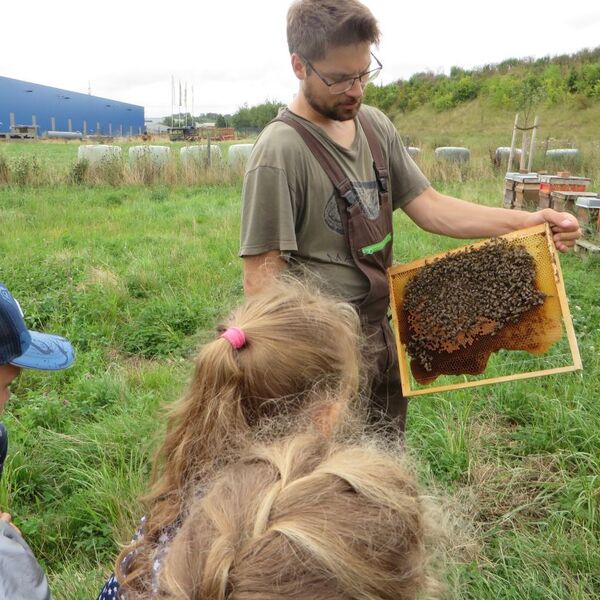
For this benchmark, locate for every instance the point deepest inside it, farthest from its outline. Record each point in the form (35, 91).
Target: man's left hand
(565, 227)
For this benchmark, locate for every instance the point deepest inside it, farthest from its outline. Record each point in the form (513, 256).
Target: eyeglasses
(343, 85)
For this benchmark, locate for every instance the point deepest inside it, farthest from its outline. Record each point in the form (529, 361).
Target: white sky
(234, 51)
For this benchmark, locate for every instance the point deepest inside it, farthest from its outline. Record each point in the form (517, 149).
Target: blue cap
(29, 349)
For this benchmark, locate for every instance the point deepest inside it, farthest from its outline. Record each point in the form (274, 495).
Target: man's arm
(456, 218)
(260, 269)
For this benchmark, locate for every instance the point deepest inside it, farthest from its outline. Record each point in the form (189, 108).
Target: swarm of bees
(461, 298)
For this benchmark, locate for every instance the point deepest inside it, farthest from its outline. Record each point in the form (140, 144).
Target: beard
(343, 109)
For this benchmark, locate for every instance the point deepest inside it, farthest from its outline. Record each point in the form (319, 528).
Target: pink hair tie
(235, 336)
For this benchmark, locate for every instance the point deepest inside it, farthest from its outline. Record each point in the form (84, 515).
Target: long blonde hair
(300, 347)
(303, 519)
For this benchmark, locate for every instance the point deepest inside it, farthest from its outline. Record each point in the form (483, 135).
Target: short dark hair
(314, 26)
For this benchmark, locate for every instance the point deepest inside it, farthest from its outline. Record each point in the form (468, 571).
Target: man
(320, 187)
(21, 577)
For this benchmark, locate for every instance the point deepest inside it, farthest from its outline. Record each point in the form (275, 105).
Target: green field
(137, 275)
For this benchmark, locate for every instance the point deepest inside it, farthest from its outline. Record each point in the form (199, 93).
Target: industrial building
(47, 108)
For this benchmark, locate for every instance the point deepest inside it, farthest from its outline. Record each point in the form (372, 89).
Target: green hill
(477, 124)
(477, 108)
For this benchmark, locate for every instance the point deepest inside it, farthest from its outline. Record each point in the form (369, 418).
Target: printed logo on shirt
(332, 216)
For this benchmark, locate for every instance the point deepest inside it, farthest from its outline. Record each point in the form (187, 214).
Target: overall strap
(331, 167)
(378, 162)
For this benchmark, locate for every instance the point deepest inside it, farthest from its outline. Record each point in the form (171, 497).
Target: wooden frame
(405, 377)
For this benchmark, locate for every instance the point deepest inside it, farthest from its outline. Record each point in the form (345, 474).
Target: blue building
(53, 109)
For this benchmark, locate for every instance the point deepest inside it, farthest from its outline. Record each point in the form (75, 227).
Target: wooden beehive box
(521, 190)
(565, 200)
(588, 210)
(541, 342)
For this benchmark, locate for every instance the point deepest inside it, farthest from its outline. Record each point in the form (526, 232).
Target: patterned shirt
(111, 589)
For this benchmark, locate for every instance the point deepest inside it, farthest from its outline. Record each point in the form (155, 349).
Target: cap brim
(47, 352)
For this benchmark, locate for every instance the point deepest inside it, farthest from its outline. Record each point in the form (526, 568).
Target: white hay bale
(199, 154)
(563, 154)
(413, 151)
(503, 152)
(239, 154)
(97, 153)
(453, 153)
(157, 156)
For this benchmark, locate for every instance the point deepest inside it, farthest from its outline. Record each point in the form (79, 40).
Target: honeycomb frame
(557, 317)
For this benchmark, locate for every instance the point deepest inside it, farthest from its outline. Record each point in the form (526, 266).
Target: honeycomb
(452, 311)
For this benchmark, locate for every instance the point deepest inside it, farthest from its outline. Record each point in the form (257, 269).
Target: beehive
(534, 342)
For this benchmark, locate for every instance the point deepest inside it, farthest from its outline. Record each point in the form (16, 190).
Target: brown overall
(370, 243)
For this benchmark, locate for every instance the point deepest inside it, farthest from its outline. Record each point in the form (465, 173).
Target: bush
(443, 102)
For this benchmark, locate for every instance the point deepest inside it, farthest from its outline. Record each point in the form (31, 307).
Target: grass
(136, 276)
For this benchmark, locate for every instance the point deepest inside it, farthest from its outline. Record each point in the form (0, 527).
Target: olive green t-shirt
(289, 203)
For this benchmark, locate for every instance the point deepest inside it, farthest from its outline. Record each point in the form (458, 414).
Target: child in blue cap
(21, 577)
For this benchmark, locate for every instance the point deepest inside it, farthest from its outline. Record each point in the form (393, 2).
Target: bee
(456, 300)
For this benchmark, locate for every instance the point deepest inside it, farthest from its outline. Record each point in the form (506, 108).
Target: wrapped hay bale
(563, 157)
(453, 154)
(239, 154)
(503, 152)
(413, 151)
(157, 156)
(198, 155)
(561, 153)
(98, 153)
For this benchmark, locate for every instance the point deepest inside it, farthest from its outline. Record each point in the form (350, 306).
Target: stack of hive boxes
(521, 190)
(587, 209)
(561, 191)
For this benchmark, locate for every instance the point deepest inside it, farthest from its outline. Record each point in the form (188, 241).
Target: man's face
(8, 373)
(339, 63)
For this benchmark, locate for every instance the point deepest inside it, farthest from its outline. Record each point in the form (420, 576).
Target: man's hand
(565, 227)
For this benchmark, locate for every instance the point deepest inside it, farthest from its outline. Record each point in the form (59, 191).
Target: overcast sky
(234, 51)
